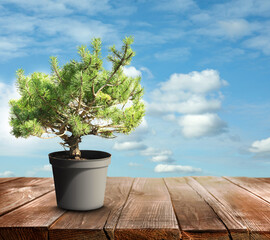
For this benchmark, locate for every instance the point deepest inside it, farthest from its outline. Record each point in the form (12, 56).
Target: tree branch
(87, 65)
(80, 96)
(53, 136)
(115, 70)
(57, 73)
(43, 99)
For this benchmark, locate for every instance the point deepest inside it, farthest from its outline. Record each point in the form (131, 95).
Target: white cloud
(174, 53)
(223, 55)
(197, 82)
(234, 20)
(41, 6)
(20, 39)
(67, 7)
(132, 164)
(160, 168)
(7, 92)
(260, 146)
(188, 93)
(36, 171)
(150, 151)
(142, 128)
(196, 97)
(92, 7)
(124, 146)
(131, 71)
(12, 47)
(137, 135)
(170, 117)
(162, 37)
(77, 30)
(158, 155)
(51, 8)
(8, 141)
(232, 29)
(201, 17)
(193, 105)
(142, 24)
(161, 158)
(261, 42)
(195, 126)
(174, 5)
(7, 174)
(242, 8)
(235, 28)
(147, 71)
(9, 25)
(46, 168)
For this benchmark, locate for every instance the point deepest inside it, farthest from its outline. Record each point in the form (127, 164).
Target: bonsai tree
(80, 98)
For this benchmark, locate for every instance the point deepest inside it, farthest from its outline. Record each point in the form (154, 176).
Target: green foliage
(80, 98)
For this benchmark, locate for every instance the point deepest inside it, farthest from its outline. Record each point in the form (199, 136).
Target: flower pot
(80, 184)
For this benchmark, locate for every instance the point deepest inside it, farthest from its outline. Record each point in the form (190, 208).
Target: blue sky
(204, 66)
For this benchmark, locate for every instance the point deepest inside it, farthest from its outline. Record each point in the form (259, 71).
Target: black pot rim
(94, 155)
(97, 159)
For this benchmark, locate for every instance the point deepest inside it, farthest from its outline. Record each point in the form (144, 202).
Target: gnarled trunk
(74, 147)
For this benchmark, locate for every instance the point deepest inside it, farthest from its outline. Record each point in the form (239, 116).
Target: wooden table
(141, 208)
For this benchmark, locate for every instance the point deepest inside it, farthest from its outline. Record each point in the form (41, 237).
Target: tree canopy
(80, 98)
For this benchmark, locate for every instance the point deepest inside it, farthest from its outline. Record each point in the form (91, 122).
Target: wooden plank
(253, 185)
(123, 188)
(17, 233)
(3, 180)
(148, 212)
(196, 218)
(235, 227)
(22, 190)
(31, 221)
(267, 180)
(251, 211)
(98, 223)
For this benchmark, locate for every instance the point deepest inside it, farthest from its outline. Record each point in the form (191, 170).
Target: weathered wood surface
(31, 221)
(3, 180)
(148, 212)
(250, 210)
(197, 219)
(235, 228)
(141, 208)
(265, 179)
(19, 191)
(98, 223)
(256, 186)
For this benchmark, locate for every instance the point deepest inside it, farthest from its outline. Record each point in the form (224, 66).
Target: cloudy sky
(205, 67)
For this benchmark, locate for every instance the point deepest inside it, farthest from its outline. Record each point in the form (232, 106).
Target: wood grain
(17, 233)
(148, 212)
(95, 224)
(251, 211)
(31, 221)
(196, 218)
(141, 208)
(116, 199)
(267, 180)
(3, 180)
(235, 227)
(19, 191)
(253, 185)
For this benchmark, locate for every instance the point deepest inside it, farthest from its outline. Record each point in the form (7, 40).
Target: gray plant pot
(80, 184)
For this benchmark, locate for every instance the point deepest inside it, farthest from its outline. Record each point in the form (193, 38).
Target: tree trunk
(74, 148)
